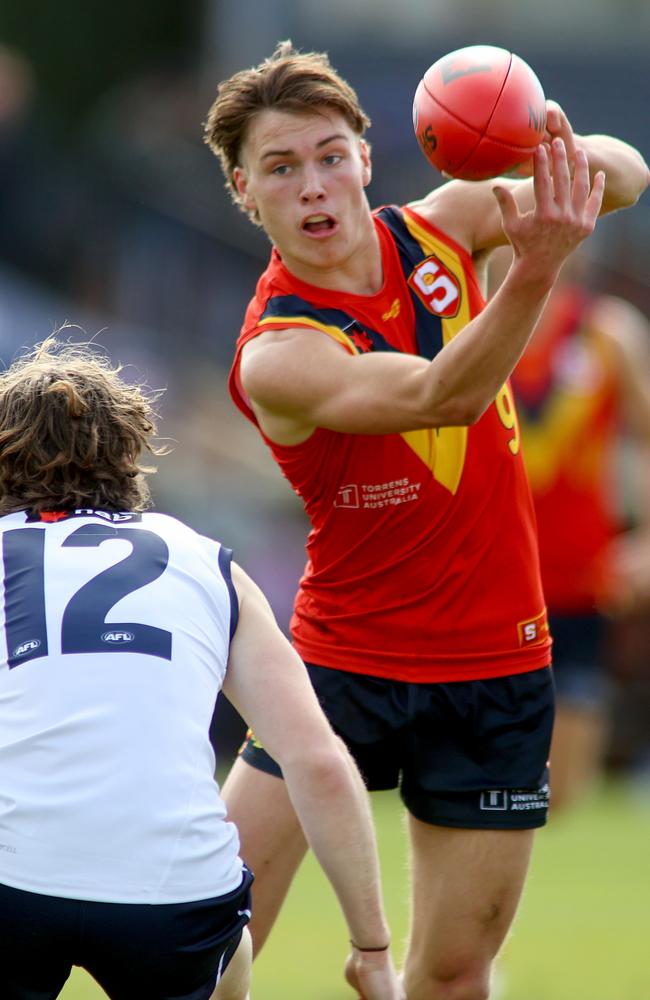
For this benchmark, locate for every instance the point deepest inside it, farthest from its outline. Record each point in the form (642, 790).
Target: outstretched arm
(626, 172)
(466, 209)
(268, 684)
(298, 380)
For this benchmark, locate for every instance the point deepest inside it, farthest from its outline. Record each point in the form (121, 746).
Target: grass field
(583, 930)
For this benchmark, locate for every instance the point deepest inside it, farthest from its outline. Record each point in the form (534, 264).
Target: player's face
(305, 175)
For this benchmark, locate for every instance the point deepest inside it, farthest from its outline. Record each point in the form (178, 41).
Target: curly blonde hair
(289, 80)
(72, 432)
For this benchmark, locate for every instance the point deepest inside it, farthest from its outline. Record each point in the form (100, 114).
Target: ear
(241, 186)
(366, 162)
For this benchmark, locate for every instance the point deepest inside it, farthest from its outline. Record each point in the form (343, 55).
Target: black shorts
(134, 951)
(468, 754)
(579, 668)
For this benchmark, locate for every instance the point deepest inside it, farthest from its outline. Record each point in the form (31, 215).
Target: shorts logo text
(495, 800)
(514, 799)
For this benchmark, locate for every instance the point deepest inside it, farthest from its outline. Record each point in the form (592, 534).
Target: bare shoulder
(625, 328)
(273, 349)
(248, 592)
(468, 211)
(241, 580)
(286, 374)
(275, 356)
(271, 342)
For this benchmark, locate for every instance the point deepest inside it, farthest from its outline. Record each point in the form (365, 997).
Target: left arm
(466, 210)
(626, 172)
(268, 684)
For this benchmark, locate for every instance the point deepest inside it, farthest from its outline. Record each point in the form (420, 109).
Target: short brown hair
(72, 431)
(289, 80)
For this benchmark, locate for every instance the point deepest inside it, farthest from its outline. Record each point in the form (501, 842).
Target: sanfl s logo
(436, 287)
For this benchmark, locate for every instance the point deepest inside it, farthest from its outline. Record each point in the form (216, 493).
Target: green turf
(583, 930)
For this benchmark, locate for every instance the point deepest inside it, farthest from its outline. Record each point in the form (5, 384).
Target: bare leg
(576, 753)
(236, 980)
(466, 888)
(272, 841)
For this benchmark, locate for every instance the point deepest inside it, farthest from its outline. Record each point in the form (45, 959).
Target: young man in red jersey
(379, 382)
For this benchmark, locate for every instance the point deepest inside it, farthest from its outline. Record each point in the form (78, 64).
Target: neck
(360, 273)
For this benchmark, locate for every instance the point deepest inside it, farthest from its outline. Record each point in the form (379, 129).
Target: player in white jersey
(118, 630)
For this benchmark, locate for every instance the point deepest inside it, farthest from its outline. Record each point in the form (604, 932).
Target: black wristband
(383, 948)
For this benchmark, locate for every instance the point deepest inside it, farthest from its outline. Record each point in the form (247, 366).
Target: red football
(479, 112)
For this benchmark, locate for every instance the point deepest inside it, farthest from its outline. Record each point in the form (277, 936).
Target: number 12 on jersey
(83, 626)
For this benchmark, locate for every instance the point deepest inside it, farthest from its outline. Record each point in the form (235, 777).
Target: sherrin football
(479, 112)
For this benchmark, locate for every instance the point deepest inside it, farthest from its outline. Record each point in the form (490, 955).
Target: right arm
(267, 682)
(627, 331)
(297, 380)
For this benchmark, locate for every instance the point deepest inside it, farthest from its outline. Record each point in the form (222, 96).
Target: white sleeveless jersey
(114, 638)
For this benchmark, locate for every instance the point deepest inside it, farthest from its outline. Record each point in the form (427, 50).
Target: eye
(332, 159)
(281, 169)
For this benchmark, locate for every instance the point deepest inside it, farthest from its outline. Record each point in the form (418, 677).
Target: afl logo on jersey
(436, 287)
(26, 647)
(117, 638)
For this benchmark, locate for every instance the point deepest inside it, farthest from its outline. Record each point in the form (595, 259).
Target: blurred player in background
(582, 391)
(378, 380)
(119, 629)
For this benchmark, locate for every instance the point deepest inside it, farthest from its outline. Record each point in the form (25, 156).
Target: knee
(460, 984)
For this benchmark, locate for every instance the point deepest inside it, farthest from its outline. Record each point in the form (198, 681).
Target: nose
(312, 186)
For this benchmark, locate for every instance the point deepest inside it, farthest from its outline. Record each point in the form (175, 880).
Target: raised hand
(564, 214)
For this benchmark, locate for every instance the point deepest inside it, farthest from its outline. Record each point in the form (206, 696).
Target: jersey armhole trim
(225, 559)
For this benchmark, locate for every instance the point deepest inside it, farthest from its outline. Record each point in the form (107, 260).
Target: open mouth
(316, 224)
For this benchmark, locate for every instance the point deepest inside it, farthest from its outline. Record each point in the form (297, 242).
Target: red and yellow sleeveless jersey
(422, 556)
(567, 399)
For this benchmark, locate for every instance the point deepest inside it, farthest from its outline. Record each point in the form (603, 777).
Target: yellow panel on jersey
(442, 450)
